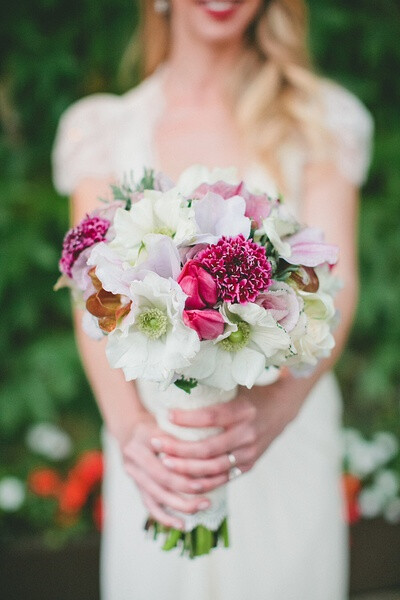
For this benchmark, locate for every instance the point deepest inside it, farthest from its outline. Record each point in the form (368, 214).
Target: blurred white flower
(392, 510)
(372, 502)
(12, 494)
(351, 437)
(386, 445)
(49, 440)
(387, 482)
(364, 458)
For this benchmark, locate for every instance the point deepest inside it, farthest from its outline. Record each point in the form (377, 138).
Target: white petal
(222, 377)
(247, 366)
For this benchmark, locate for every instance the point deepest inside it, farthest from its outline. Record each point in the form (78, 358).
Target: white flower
(312, 337)
(111, 269)
(12, 494)
(239, 356)
(164, 213)
(279, 224)
(156, 342)
(195, 175)
(49, 440)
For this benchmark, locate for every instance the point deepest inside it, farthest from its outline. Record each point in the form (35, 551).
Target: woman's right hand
(160, 488)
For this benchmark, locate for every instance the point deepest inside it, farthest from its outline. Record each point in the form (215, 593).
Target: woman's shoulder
(87, 132)
(100, 110)
(342, 106)
(351, 127)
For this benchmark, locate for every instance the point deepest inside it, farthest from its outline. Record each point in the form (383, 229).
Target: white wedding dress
(288, 536)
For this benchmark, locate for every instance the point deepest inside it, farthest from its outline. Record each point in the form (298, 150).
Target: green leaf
(187, 385)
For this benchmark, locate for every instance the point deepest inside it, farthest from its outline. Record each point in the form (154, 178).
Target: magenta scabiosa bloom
(239, 266)
(90, 231)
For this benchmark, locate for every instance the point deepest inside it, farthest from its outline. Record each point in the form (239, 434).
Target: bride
(227, 82)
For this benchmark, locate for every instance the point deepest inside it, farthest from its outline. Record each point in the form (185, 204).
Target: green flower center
(237, 339)
(165, 231)
(152, 322)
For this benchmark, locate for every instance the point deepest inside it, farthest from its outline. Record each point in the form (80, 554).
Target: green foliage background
(55, 51)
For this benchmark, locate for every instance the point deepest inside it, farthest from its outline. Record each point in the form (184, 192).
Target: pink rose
(282, 302)
(199, 286)
(258, 206)
(208, 323)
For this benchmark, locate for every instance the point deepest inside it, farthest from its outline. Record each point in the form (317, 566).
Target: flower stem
(198, 542)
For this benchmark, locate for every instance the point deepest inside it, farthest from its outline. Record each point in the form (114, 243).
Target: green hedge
(54, 52)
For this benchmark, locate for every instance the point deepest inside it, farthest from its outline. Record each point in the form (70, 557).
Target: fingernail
(203, 505)
(156, 443)
(197, 486)
(171, 415)
(177, 525)
(168, 462)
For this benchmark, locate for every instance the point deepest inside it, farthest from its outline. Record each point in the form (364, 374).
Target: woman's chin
(221, 21)
(221, 11)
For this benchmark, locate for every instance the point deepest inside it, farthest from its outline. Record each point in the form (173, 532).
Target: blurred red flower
(73, 496)
(98, 513)
(89, 469)
(44, 482)
(351, 488)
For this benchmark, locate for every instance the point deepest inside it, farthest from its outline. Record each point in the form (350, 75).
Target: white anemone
(239, 356)
(155, 342)
(157, 212)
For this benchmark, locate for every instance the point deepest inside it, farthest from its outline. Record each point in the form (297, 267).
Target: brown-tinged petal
(306, 279)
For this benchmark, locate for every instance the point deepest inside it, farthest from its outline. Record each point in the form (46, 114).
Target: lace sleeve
(351, 126)
(83, 143)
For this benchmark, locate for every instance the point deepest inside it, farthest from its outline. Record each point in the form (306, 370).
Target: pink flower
(281, 301)
(90, 231)
(239, 267)
(199, 286)
(310, 250)
(208, 323)
(258, 206)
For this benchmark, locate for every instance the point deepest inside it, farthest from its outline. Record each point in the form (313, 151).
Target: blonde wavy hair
(274, 90)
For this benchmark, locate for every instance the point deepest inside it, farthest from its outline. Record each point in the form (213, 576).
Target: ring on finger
(232, 460)
(234, 473)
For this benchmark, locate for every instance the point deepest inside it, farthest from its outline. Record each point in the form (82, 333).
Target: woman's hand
(160, 489)
(249, 425)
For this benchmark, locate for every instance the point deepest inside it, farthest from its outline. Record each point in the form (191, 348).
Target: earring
(161, 6)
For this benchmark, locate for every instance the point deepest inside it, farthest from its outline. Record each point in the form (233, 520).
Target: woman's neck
(198, 69)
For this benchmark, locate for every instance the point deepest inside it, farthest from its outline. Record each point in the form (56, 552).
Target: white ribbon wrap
(159, 402)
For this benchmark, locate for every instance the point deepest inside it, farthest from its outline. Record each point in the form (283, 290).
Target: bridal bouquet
(200, 286)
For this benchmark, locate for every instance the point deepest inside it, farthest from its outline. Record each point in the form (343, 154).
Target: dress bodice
(108, 135)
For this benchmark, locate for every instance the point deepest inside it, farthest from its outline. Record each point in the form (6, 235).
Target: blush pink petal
(258, 206)
(310, 250)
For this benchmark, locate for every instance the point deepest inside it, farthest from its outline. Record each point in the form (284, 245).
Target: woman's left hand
(249, 424)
